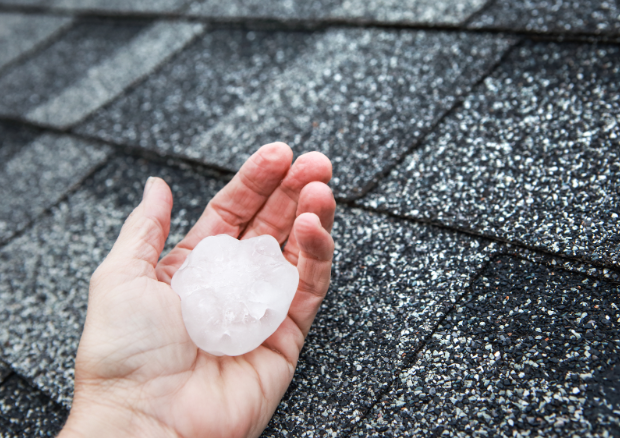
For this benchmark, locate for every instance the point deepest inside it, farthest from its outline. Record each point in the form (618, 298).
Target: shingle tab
(44, 273)
(384, 11)
(5, 371)
(32, 82)
(276, 9)
(362, 97)
(532, 351)
(26, 411)
(47, 92)
(409, 11)
(104, 82)
(187, 96)
(13, 138)
(561, 16)
(532, 156)
(21, 33)
(392, 281)
(41, 173)
(118, 6)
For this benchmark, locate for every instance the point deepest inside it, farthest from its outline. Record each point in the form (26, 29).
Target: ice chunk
(234, 293)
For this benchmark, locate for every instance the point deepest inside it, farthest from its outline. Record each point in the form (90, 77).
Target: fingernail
(147, 186)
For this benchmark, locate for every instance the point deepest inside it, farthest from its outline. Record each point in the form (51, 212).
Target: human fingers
(143, 235)
(276, 217)
(316, 250)
(235, 205)
(315, 198)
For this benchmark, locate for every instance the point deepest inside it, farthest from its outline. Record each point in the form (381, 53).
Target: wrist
(89, 418)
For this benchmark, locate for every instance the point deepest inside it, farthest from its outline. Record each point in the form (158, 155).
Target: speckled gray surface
(187, 97)
(531, 157)
(392, 281)
(39, 174)
(277, 9)
(12, 138)
(106, 6)
(523, 170)
(105, 81)
(30, 83)
(384, 11)
(27, 412)
(362, 97)
(20, 33)
(87, 67)
(557, 16)
(44, 273)
(451, 12)
(532, 351)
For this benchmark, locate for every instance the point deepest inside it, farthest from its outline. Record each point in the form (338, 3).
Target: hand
(137, 372)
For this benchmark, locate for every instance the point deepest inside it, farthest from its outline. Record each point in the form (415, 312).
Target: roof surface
(476, 151)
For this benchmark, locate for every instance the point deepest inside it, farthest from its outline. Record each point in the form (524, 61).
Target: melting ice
(234, 293)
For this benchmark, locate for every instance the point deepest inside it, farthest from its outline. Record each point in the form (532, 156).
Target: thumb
(144, 233)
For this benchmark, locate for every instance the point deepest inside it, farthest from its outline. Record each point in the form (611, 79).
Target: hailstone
(234, 293)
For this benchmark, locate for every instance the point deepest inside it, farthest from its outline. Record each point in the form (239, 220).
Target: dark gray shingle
(39, 173)
(44, 273)
(531, 157)
(557, 16)
(533, 350)
(362, 97)
(392, 281)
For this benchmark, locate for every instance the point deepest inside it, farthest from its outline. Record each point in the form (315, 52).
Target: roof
(476, 279)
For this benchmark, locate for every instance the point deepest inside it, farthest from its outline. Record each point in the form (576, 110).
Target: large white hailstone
(234, 293)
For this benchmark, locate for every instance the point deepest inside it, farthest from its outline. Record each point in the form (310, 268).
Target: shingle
(32, 82)
(363, 97)
(204, 82)
(89, 66)
(21, 33)
(384, 11)
(531, 157)
(5, 371)
(409, 11)
(39, 174)
(44, 273)
(26, 411)
(532, 351)
(118, 6)
(558, 16)
(277, 9)
(391, 283)
(13, 138)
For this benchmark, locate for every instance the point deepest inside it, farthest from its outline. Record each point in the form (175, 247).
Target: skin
(137, 372)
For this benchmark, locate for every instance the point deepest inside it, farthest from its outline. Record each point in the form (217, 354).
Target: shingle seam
(491, 238)
(479, 12)
(150, 155)
(469, 292)
(121, 148)
(107, 80)
(410, 360)
(274, 24)
(40, 46)
(32, 389)
(47, 211)
(155, 157)
(459, 100)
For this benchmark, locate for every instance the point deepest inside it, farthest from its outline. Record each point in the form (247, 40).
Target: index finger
(235, 205)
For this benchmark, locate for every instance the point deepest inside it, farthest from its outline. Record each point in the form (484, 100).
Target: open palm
(137, 371)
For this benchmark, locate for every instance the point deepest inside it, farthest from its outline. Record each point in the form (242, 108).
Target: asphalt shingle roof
(531, 156)
(476, 279)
